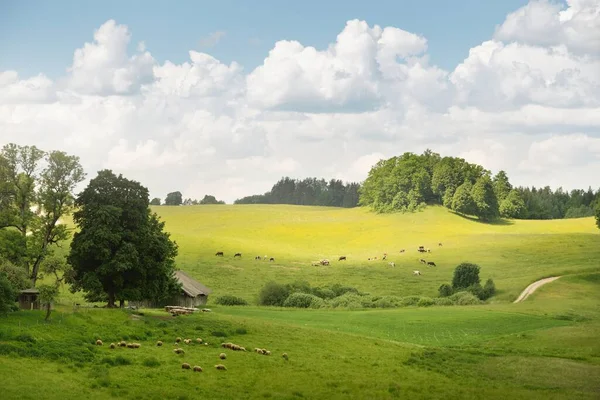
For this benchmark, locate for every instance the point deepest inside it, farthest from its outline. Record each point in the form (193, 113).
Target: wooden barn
(193, 294)
(29, 299)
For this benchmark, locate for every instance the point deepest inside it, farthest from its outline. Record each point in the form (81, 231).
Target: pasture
(545, 347)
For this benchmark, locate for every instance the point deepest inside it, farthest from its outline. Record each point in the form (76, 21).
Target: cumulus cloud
(527, 101)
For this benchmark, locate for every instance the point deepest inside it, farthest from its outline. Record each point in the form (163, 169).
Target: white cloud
(526, 101)
(212, 39)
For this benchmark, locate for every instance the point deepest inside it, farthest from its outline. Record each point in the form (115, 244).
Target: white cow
(416, 272)
(392, 264)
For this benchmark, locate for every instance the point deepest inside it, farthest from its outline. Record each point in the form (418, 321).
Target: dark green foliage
(273, 294)
(228, 300)
(512, 206)
(210, 199)
(8, 295)
(598, 214)
(489, 289)
(502, 186)
(17, 276)
(462, 201)
(13, 247)
(445, 290)
(302, 300)
(486, 203)
(579, 212)
(464, 298)
(310, 191)
(116, 361)
(155, 202)
(218, 334)
(174, 199)
(151, 362)
(121, 249)
(465, 275)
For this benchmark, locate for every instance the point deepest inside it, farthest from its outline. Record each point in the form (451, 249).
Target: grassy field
(546, 347)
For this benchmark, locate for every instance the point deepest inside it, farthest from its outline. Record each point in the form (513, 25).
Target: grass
(545, 347)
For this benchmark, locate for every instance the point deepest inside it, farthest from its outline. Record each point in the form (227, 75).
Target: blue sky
(40, 36)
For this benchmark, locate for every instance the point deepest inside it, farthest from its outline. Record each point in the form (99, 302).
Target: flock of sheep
(178, 350)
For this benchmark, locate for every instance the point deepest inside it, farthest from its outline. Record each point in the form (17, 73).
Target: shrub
(445, 290)
(273, 294)
(443, 301)
(425, 302)
(465, 275)
(228, 300)
(464, 299)
(489, 289)
(340, 290)
(348, 300)
(476, 289)
(323, 293)
(409, 301)
(8, 295)
(300, 300)
(17, 276)
(151, 362)
(386, 302)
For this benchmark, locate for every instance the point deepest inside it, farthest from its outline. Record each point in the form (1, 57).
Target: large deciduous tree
(485, 199)
(121, 251)
(512, 206)
(598, 213)
(502, 186)
(34, 201)
(174, 199)
(462, 202)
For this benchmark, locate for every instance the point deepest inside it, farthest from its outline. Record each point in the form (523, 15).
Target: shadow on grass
(497, 222)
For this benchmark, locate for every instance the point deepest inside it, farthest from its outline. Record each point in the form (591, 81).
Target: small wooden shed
(193, 294)
(29, 299)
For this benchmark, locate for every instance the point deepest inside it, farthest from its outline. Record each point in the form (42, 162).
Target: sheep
(130, 345)
(99, 342)
(267, 352)
(285, 356)
(178, 351)
(197, 368)
(198, 340)
(186, 366)
(112, 345)
(178, 340)
(122, 343)
(221, 367)
(186, 341)
(159, 343)
(242, 349)
(222, 356)
(136, 345)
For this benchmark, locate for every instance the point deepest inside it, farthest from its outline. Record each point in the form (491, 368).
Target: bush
(464, 299)
(273, 294)
(425, 302)
(445, 290)
(465, 275)
(409, 301)
(443, 301)
(323, 293)
(386, 302)
(476, 289)
(339, 290)
(489, 289)
(228, 300)
(8, 295)
(300, 300)
(348, 300)
(17, 276)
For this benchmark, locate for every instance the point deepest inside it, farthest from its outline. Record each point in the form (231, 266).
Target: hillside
(514, 253)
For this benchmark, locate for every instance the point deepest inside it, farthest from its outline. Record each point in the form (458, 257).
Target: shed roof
(30, 291)
(191, 287)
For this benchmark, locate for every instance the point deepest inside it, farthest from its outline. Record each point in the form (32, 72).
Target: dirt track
(532, 288)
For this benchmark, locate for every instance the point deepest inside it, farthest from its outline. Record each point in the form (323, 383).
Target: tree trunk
(48, 310)
(121, 303)
(111, 299)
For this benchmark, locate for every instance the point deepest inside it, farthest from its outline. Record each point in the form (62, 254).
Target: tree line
(409, 182)
(176, 199)
(308, 192)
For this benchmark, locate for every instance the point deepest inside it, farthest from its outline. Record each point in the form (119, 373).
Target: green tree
(485, 199)
(465, 275)
(16, 275)
(121, 250)
(36, 201)
(174, 199)
(210, 199)
(462, 202)
(155, 202)
(8, 295)
(502, 186)
(598, 214)
(512, 206)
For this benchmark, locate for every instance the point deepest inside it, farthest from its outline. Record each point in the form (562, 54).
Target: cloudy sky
(226, 99)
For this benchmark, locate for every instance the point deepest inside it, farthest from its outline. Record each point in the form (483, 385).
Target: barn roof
(191, 287)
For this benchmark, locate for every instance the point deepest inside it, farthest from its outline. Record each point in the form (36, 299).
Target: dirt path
(532, 288)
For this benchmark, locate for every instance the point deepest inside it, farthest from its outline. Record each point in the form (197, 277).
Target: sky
(226, 98)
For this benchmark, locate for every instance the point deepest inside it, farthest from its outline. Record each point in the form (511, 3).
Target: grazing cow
(422, 261)
(392, 264)
(257, 258)
(342, 258)
(402, 251)
(384, 256)
(440, 244)
(431, 263)
(271, 259)
(416, 272)
(324, 262)
(219, 253)
(428, 250)
(315, 263)
(421, 249)
(237, 255)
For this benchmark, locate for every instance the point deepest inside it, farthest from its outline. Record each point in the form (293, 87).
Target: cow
(342, 258)
(421, 249)
(219, 253)
(384, 256)
(402, 251)
(431, 263)
(237, 255)
(392, 264)
(422, 261)
(429, 250)
(271, 259)
(416, 272)
(440, 244)
(324, 262)
(257, 258)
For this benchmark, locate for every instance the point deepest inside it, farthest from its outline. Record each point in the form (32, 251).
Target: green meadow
(546, 347)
